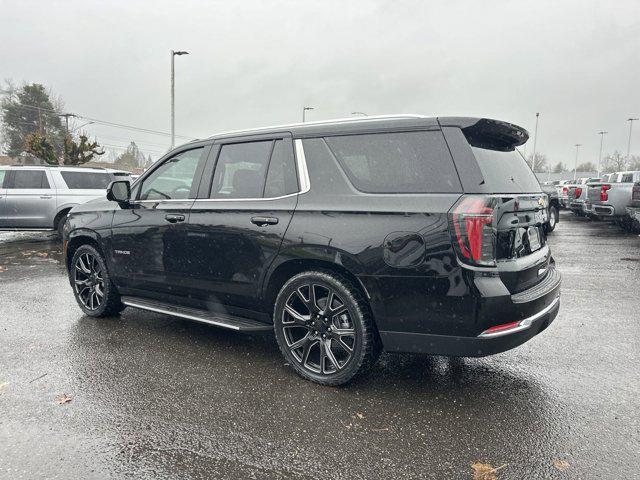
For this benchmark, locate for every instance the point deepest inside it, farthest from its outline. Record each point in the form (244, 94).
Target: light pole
(535, 140)
(630, 120)
(304, 111)
(575, 167)
(602, 133)
(173, 95)
(359, 113)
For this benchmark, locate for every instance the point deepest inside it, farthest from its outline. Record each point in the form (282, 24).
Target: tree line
(33, 123)
(613, 162)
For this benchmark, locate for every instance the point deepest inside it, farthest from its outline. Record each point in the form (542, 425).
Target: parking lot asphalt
(146, 395)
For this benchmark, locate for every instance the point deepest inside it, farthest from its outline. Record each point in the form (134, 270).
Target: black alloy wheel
(92, 286)
(324, 328)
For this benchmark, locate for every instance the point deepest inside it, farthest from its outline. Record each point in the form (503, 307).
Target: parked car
(633, 210)
(553, 205)
(611, 199)
(577, 194)
(403, 233)
(563, 193)
(39, 197)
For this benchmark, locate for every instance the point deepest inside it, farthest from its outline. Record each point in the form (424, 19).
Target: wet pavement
(153, 396)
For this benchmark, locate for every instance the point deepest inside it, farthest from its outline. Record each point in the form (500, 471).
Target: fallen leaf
(359, 415)
(561, 464)
(3, 386)
(484, 471)
(64, 398)
(2, 269)
(42, 254)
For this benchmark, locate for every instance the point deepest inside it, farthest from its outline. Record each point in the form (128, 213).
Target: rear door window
(282, 177)
(29, 179)
(86, 180)
(241, 170)
(3, 174)
(402, 162)
(505, 172)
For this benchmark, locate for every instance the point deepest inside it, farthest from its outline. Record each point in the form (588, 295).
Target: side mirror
(119, 191)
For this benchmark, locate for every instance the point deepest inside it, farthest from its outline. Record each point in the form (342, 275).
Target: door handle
(263, 221)
(45, 197)
(174, 217)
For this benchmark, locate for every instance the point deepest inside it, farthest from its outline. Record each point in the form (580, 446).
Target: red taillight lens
(565, 190)
(578, 192)
(472, 222)
(501, 328)
(604, 196)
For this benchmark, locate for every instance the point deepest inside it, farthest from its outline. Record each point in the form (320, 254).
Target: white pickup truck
(611, 199)
(39, 197)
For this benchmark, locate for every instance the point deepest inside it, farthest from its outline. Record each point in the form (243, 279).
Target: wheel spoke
(297, 317)
(346, 332)
(306, 351)
(99, 291)
(313, 301)
(329, 354)
(343, 345)
(303, 341)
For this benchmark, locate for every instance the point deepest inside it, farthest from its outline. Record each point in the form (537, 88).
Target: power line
(108, 123)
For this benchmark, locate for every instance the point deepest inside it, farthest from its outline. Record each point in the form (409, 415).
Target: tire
(553, 219)
(60, 227)
(92, 287)
(333, 347)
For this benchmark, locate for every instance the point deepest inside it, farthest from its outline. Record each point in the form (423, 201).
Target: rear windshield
(403, 162)
(86, 180)
(505, 172)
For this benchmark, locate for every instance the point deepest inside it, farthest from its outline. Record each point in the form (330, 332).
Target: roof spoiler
(488, 133)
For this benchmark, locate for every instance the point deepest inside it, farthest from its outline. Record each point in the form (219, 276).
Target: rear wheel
(94, 291)
(324, 328)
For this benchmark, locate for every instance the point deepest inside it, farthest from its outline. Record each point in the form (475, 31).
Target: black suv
(402, 233)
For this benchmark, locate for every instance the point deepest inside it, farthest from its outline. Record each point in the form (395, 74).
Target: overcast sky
(255, 63)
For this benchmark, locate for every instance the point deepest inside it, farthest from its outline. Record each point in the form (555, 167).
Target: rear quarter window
(505, 172)
(86, 180)
(402, 162)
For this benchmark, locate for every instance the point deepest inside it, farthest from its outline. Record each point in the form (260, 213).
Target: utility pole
(304, 111)
(630, 120)
(66, 119)
(535, 140)
(575, 167)
(173, 84)
(602, 134)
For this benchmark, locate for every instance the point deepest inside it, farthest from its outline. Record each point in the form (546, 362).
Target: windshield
(505, 172)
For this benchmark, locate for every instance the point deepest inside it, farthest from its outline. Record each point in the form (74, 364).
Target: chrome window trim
(303, 181)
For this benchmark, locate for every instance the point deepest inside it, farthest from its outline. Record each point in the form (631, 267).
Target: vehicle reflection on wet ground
(158, 397)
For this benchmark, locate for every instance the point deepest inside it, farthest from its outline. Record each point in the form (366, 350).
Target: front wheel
(324, 328)
(94, 291)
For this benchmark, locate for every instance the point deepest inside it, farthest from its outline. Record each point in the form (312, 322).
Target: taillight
(578, 192)
(565, 190)
(635, 195)
(472, 220)
(604, 196)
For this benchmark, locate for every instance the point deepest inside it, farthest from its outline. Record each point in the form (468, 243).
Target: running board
(239, 324)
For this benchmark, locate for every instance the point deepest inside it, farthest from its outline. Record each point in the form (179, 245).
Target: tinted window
(240, 170)
(2, 175)
(281, 177)
(86, 180)
(29, 179)
(505, 172)
(627, 177)
(173, 179)
(407, 162)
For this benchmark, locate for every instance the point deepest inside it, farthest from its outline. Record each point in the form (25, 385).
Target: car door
(30, 199)
(237, 224)
(148, 236)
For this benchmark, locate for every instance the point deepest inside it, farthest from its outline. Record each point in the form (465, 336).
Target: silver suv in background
(39, 197)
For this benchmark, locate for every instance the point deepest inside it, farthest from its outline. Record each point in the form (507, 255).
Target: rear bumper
(466, 346)
(532, 311)
(577, 206)
(603, 210)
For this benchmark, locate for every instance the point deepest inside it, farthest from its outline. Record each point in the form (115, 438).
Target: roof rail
(55, 166)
